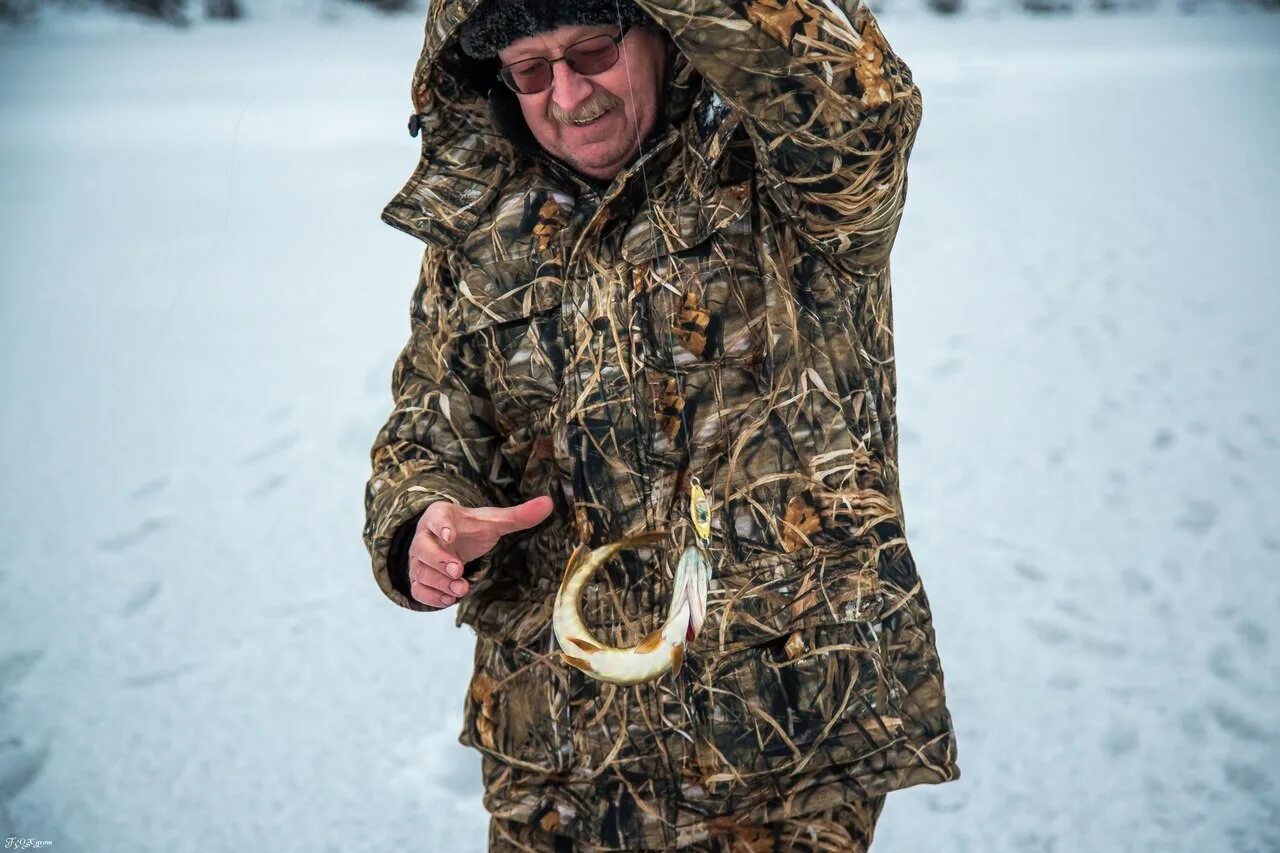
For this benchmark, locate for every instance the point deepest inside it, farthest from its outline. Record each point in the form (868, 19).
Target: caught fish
(663, 648)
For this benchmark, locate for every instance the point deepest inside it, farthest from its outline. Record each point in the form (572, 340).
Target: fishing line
(681, 686)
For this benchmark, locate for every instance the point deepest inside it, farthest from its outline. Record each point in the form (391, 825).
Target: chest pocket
(743, 379)
(513, 306)
(692, 262)
(695, 290)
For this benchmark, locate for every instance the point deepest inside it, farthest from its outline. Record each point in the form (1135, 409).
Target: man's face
(624, 97)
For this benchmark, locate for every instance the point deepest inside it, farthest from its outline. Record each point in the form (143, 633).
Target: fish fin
(575, 559)
(580, 663)
(646, 539)
(651, 642)
(586, 645)
(677, 658)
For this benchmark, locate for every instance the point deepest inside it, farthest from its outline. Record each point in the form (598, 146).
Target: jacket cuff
(393, 514)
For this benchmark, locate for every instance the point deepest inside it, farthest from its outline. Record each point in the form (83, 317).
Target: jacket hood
(475, 139)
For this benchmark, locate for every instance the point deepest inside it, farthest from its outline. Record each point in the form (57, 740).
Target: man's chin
(601, 161)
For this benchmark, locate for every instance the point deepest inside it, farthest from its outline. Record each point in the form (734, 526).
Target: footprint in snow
(130, 538)
(273, 448)
(143, 596)
(150, 488)
(20, 761)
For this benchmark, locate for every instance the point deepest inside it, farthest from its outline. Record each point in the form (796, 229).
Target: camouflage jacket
(721, 309)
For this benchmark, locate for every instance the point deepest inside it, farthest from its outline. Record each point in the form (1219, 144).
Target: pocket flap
(683, 222)
(774, 594)
(485, 299)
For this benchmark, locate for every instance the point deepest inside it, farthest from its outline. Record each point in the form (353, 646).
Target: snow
(200, 314)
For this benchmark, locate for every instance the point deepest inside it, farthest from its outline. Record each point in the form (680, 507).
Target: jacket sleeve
(438, 442)
(831, 110)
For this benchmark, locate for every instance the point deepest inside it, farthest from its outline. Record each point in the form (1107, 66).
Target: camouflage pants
(846, 828)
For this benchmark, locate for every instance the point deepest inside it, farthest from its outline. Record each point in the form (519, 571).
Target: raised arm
(831, 110)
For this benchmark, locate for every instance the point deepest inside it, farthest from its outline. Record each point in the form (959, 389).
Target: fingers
(431, 587)
(435, 574)
(440, 519)
(427, 548)
(427, 595)
(428, 583)
(433, 578)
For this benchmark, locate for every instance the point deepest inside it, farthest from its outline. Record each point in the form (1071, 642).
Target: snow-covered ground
(199, 311)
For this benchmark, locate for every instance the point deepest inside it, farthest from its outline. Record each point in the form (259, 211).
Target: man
(657, 256)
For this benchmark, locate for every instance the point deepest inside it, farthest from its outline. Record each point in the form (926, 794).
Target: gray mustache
(594, 106)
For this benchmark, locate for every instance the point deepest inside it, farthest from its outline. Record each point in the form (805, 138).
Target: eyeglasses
(589, 56)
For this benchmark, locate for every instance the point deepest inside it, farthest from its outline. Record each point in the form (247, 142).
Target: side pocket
(801, 686)
(515, 710)
(774, 594)
(524, 708)
(797, 704)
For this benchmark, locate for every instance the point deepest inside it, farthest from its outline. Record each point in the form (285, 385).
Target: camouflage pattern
(722, 310)
(845, 828)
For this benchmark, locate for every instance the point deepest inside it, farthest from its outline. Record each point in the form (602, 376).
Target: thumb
(519, 517)
(532, 512)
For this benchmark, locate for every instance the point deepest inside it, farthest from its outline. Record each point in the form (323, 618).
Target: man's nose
(568, 87)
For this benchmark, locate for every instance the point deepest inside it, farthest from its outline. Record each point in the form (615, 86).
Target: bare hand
(449, 536)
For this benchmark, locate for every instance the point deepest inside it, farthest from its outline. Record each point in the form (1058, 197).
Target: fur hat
(497, 23)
